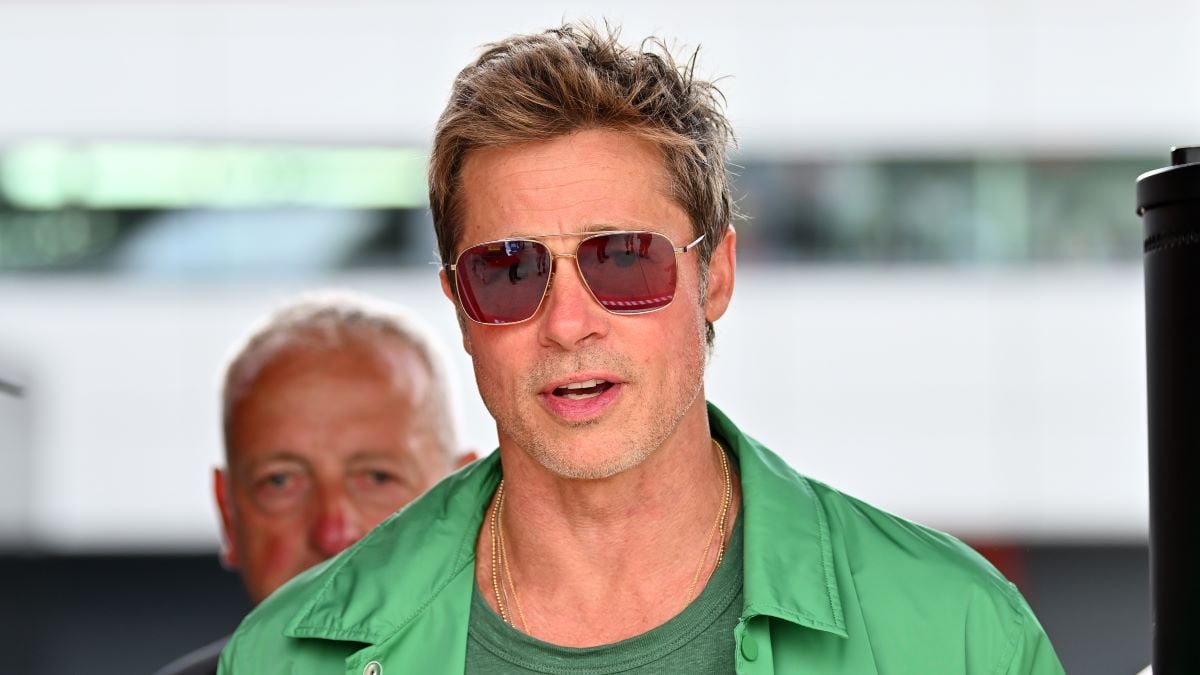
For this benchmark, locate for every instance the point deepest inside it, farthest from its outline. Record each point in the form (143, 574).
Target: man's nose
(336, 524)
(570, 316)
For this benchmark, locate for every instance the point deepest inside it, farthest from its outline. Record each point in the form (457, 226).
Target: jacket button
(749, 648)
(373, 668)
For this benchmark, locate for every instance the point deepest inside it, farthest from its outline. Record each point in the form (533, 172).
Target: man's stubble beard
(559, 458)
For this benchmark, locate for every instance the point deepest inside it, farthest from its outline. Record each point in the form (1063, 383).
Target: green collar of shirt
(420, 563)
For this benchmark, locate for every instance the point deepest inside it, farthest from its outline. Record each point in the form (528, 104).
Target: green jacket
(832, 585)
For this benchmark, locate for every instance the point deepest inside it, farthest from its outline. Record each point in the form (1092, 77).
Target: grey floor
(1094, 602)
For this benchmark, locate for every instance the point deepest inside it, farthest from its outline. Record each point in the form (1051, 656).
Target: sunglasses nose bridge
(554, 270)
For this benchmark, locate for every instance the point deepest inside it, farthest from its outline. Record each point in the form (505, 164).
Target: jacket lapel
(789, 568)
(404, 591)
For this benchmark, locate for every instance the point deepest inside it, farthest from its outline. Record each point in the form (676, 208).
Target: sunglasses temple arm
(687, 247)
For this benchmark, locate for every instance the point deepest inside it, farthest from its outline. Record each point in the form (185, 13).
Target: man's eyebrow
(377, 455)
(273, 457)
(613, 227)
(590, 228)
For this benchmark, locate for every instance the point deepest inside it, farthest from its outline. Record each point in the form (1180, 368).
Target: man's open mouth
(577, 391)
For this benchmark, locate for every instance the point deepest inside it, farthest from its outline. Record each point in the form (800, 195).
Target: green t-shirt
(697, 641)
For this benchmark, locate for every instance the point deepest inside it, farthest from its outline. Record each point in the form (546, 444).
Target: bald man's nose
(336, 527)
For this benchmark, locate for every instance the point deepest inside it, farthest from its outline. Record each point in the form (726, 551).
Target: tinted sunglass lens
(502, 282)
(629, 272)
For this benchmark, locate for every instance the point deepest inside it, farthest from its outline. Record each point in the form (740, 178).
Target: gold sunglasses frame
(452, 268)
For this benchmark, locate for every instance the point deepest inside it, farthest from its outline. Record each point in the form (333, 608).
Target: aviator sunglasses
(626, 271)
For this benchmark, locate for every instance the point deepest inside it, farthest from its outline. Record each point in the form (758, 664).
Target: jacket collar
(789, 571)
(398, 570)
(403, 565)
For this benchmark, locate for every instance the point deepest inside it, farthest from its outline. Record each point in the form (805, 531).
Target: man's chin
(585, 465)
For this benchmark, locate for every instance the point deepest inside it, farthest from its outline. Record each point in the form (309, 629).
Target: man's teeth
(586, 384)
(577, 391)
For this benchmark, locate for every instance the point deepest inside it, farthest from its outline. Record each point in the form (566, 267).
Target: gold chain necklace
(496, 552)
(718, 526)
(500, 555)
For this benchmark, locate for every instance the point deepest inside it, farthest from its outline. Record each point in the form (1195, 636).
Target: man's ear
(462, 322)
(465, 459)
(446, 289)
(229, 554)
(721, 271)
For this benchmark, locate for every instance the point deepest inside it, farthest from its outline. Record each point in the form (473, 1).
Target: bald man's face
(323, 445)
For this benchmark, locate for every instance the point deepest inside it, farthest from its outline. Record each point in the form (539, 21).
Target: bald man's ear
(229, 554)
(465, 459)
(462, 322)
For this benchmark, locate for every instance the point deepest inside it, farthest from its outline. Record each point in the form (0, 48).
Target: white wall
(992, 403)
(989, 402)
(855, 76)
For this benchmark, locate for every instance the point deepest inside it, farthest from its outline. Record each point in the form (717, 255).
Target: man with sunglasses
(582, 208)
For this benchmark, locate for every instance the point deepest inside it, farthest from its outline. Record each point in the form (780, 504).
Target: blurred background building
(939, 303)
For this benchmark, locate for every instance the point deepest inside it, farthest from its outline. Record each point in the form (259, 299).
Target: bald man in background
(336, 414)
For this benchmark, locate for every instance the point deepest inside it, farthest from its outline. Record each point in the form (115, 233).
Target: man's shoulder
(889, 548)
(925, 599)
(866, 542)
(202, 661)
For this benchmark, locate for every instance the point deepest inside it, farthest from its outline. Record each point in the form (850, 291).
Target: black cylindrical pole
(1169, 203)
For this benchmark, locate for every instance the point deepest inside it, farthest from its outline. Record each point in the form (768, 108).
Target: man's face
(651, 364)
(323, 444)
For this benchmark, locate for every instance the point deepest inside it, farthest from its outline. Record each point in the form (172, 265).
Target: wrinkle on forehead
(540, 190)
(528, 206)
(588, 181)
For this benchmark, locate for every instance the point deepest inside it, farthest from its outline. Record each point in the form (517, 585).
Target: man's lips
(581, 400)
(580, 390)
(581, 386)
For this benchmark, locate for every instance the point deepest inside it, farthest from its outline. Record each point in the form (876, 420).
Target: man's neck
(592, 562)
